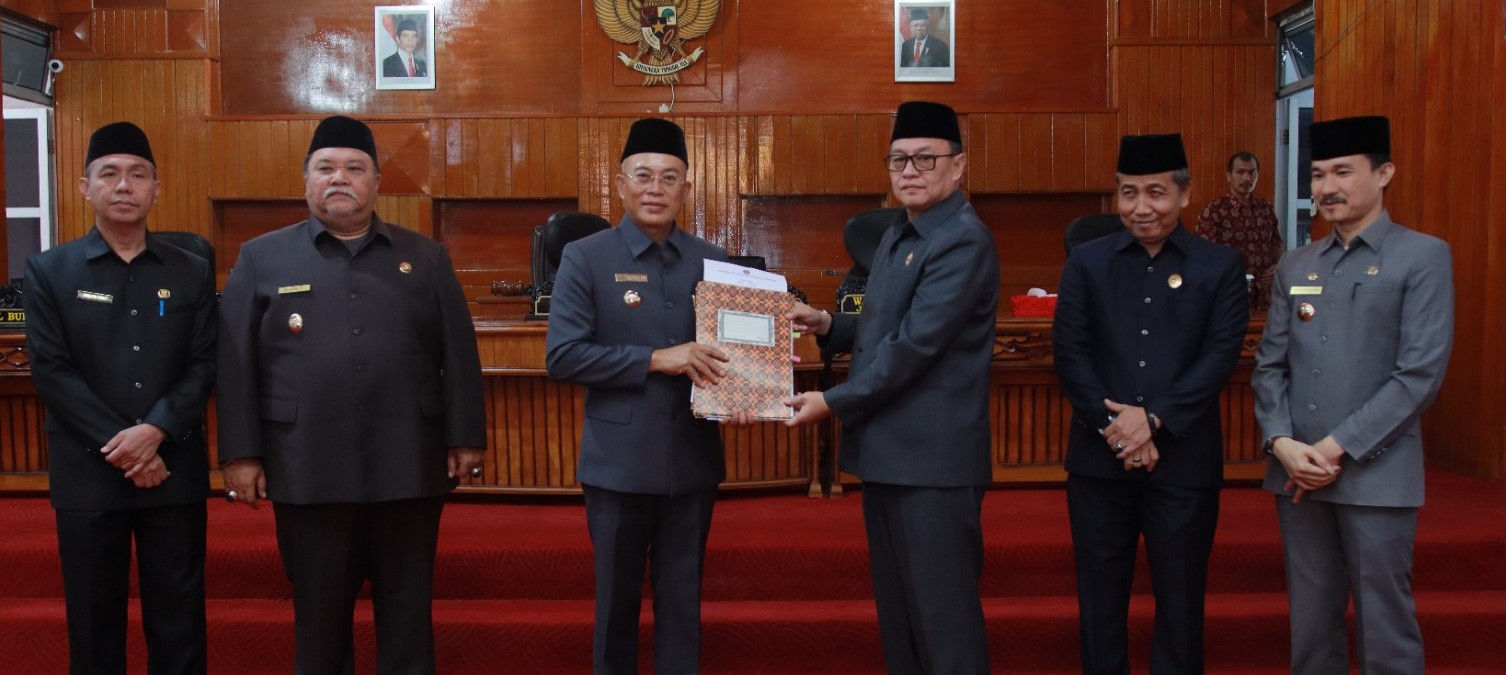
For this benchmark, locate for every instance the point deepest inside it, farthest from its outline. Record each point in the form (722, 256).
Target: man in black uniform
(120, 330)
(1148, 328)
(351, 397)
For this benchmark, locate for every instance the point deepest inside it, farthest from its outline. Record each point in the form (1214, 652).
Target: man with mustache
(1149, 325)
(1355, 348)
(1245, 222)
(120, 330)
(350, 396)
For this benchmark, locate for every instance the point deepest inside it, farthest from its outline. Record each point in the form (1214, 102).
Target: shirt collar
(316, 227)
(1180, 239)
(638, 242)
(1372, 236)
(930, 219)
(96, 246)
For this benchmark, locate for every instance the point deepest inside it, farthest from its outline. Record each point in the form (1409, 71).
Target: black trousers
(330, 550)
(925, 549)
(1108, 517)
(667, 536)
(95, 550)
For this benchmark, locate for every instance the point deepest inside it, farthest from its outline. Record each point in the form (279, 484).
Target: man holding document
(622, 324)
(914, 408)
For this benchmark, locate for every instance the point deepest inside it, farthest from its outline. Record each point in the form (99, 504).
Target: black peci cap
(340, 131)
(654, 134)
(119, 138)
(1150, 154)
(1350, 136)
(924, 119)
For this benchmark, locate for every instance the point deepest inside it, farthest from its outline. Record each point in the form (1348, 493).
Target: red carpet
(786, 587)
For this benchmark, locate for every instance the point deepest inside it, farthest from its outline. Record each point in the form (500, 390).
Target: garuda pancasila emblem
(660, 29)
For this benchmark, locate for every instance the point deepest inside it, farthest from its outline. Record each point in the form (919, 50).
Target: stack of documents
(740, 311)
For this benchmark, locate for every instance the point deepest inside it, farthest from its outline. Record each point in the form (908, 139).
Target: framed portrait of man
(925, 41)
(404, 47)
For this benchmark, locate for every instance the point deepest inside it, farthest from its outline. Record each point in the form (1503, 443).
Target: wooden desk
(534, 423)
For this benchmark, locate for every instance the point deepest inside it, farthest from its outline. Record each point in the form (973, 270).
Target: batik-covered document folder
(749, 326)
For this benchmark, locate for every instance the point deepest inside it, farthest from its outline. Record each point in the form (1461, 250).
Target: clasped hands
(1308, 467)
(1129, 437)
(134, 451)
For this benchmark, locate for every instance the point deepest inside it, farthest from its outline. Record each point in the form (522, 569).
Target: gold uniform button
(1174, 281)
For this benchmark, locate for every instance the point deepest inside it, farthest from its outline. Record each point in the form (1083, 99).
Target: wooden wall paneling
(1011, 55)
(329, 42)
(999, 146)
(1490, 458)
(1421, 64)
(162, 96)
(710, 85)
(598, 164)
(23, 441)
(239, 221)
(43, 11)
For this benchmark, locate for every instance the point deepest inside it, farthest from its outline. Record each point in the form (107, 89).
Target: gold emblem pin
(405, 267)
(1372, 271)
(1312, 276)
(1305, 311)
(295, 323)
(632, 299)
(1174, 281)
(163, 294)
(909, 258)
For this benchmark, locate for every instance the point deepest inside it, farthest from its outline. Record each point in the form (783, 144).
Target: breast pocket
(1378, 304)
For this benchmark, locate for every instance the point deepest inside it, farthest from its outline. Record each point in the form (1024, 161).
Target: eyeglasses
(644, 179)
(922, 162)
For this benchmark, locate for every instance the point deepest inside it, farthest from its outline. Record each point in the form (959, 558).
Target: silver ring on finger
(1119, 447)
(232, 496)
(476, 472)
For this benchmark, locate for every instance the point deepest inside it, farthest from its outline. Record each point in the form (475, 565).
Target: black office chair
(861, 235)
(192, 242)
(1087, 228)
(549, 247)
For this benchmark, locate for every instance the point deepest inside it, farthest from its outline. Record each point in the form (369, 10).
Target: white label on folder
(744, 328)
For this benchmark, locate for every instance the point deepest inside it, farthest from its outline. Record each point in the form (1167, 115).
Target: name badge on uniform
(300, 288)
(91, 296)
(1307, 290)
(624, 278)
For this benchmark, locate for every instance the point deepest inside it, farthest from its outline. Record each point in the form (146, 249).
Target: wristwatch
(1155, 422)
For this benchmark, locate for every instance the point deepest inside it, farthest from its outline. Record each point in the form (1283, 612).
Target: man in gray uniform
(622, 324)
(351, 397)
(1355, 348)
(914, 408)
(120, 330)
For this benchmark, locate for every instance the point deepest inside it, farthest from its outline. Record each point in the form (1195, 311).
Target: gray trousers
(1333, 551)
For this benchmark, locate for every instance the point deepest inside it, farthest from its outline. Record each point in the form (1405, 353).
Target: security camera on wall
(54, 67)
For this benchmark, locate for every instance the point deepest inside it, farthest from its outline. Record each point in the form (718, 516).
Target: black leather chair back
(1088, 228)
(861, 235)
(549, 248)
(560, 229)
(192, 242)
